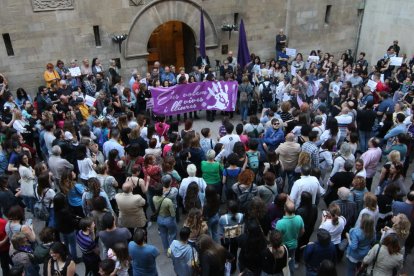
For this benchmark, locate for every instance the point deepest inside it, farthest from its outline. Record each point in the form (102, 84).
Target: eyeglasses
(276, 124)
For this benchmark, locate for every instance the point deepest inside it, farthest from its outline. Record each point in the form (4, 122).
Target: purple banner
(196, 96)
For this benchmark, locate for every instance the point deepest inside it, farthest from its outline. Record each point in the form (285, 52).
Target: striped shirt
(85, 242)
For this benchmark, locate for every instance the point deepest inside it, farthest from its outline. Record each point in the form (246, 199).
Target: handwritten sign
(313, 58)
(396, 61)
(293, 70)
(291, 52)
(89, 101)
(372, 85)
(75, 71)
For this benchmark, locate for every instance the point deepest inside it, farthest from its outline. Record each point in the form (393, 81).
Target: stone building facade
(43, 31)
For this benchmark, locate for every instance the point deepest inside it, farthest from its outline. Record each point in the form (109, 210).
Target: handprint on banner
(220, 95)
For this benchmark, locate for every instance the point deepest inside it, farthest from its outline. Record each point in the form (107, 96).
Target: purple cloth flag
(202, 36)
(243, 54)
(196, 96)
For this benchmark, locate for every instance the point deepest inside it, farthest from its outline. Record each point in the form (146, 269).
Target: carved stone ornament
(52, 5)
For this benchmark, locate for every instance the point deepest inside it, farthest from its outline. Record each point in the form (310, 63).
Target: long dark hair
(255, 239)
(332, 125)
(21, 94)
(212, 202)
(43, 183)
(214, 250)
(59, 202)
(191, 197)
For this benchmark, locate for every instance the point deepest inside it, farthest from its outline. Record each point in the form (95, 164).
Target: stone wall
(45, 30)
(386, 21)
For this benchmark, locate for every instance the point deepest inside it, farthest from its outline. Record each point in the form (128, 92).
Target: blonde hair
(402, 228)
(394, 156)
(304, 158)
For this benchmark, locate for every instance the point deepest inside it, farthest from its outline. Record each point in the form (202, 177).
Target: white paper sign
(290, 52)
(335, 89)
(286, 97)
(89, 101)
(293, 70)
(396, 61)
(75, 71)
(382, 78)
(313, 58)
(372, 85)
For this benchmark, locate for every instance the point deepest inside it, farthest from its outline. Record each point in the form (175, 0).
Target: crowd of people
(97, 174)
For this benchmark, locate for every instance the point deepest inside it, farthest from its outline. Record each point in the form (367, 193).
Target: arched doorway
(172, 43)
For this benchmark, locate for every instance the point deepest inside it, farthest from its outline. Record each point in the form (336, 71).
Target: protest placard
(75, 71)
(396, 61)
(291, 52)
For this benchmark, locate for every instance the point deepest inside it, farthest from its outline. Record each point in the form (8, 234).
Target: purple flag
(196, 96)
(243, 55)
(202, 36)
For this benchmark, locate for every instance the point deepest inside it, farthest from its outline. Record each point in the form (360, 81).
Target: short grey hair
(191, 170)
(56, 150)
(210, 154)
(345, 149)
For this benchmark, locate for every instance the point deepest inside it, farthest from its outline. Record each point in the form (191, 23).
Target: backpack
(253, 161)
(254, 133)
(41, 254)
(244, 198)
(267, 92)
(40, 210)
(233, 231)
(244, 95)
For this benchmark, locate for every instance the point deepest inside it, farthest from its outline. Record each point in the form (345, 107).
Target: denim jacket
(359, 244)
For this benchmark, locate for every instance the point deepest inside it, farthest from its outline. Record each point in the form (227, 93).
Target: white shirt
(86, 170)
(49, 138)
(112, 144)
(334, 230)
(304, 184)
(186, 181)
(320, 129)
(362, 173)
(325, 159)
(373, 214)
(326, 134)
(228, 141)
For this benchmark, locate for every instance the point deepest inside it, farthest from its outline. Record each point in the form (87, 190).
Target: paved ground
(164, 264)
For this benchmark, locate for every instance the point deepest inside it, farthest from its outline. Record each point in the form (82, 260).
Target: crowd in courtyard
(325, 132)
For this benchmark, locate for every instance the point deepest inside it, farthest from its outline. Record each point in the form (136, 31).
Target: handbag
(286, 270)
(364, 270)
(154, 216)
(195, 265)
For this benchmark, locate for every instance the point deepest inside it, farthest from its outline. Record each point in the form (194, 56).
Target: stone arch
(159, 12)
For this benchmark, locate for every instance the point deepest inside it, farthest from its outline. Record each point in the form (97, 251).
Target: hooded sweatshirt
(182, 256)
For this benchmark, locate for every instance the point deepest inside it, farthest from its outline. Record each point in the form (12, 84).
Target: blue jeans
(364, 137)
(213, 224)
(51, 222)
(292, 261)
(168, 230)
(244, 111)
(351, 267)
(70, 241)
(150, 195)
(291, 176)
(29, 201)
